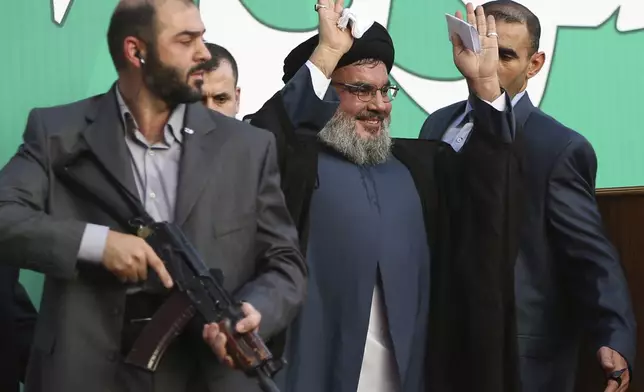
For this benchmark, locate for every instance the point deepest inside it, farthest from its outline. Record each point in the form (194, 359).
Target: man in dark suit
(17, 322)
(568, 275)
(394, 301)
(146, 147)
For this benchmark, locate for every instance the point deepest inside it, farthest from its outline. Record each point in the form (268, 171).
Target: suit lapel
(445, 118)
(106, 139)
(522, 110)
(98, 163)
(201, 146)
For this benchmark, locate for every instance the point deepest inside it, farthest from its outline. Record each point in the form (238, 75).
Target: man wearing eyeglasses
(375, 217)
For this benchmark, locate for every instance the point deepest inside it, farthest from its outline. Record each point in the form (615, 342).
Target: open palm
(482, 65)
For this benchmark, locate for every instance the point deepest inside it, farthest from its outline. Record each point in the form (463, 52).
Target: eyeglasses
(367, 92)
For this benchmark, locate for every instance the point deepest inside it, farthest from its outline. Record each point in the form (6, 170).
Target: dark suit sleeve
(595, 278)
(303, 106)
(29, 238)
(492, 124)
(25, 317)
(280, 286)
(480, 190)
(9, 363)
(296, 106)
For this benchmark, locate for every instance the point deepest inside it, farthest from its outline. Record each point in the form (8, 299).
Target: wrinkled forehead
(371, 72)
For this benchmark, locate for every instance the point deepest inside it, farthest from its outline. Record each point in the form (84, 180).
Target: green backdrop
(592, 86)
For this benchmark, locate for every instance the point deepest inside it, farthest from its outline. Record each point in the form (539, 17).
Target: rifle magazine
(167, 323)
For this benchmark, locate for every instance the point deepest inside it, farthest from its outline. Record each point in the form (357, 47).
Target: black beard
(167, 83)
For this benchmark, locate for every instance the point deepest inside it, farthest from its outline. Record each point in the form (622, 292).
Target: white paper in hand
(466, 31)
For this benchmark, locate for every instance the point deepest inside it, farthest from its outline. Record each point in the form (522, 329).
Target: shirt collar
(174, 124)
(517, 98)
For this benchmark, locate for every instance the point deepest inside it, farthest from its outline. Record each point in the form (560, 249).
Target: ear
(237, 96)
(133, 48)
(536, 63)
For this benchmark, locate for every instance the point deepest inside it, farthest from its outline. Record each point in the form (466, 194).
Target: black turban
(376, 44)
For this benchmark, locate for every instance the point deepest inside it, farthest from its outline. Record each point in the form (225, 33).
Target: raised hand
(333, 43)
(480, 69)
(331, 36)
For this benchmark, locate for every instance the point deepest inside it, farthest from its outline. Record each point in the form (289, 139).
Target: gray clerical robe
(366, 228)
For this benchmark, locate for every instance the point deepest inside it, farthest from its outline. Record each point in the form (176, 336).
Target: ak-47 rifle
(196, 289)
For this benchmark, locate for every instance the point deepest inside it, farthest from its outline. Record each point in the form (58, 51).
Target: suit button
(116, 311)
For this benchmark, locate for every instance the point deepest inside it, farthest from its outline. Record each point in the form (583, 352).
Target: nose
(203, 54)
(378, 103)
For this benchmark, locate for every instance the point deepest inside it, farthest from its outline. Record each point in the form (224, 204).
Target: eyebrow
(366, 84)
(190, 33)
(507, 52)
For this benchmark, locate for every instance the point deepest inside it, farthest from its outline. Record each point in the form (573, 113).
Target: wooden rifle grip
(248, 350)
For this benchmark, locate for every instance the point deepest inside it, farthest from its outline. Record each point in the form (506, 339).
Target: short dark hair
(132, 18)
(512, 12)
(219, 54)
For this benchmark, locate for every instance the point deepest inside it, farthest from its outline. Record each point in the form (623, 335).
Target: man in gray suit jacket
(85, 169)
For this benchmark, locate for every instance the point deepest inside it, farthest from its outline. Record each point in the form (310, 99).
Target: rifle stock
(197, 290)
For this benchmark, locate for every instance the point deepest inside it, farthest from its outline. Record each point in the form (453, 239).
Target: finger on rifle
(251, 321)
(229, 361)
(157, 265)
(220, 346)
(481, 23)
(471, 18)
(121, 276)
(131, 272)
(215, 339)
(141, 268)
(210, 332)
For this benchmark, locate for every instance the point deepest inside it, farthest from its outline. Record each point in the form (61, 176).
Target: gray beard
(340, 134)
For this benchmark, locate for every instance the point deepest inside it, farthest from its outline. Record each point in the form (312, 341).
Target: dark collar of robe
(471, 211)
